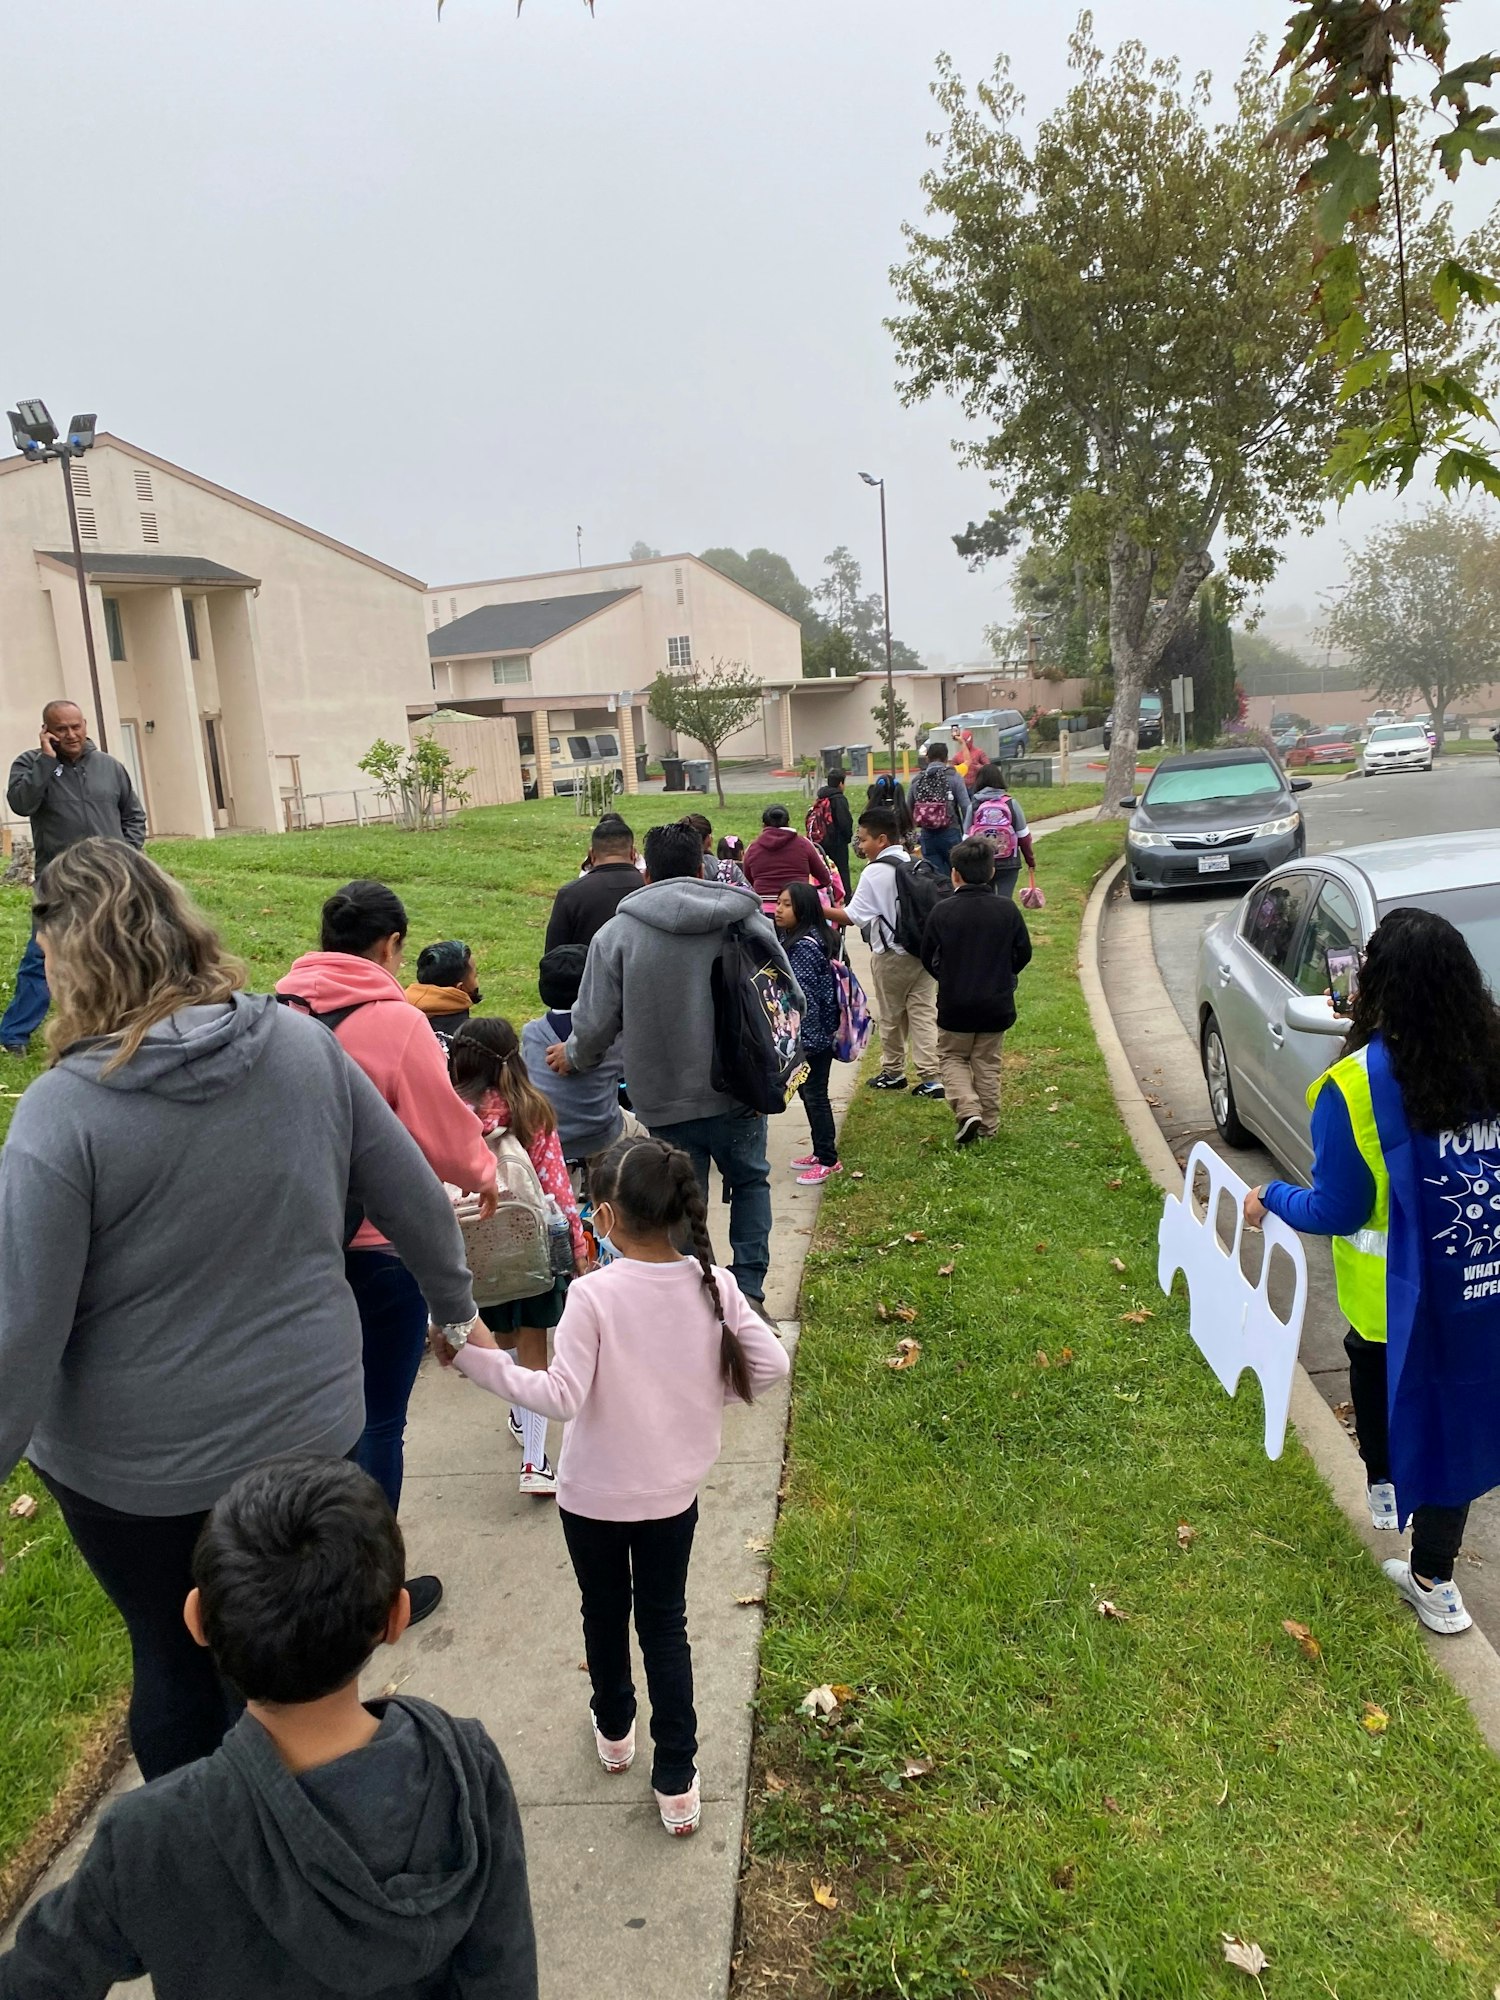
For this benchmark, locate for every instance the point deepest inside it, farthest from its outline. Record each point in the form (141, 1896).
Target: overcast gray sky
(446, 291)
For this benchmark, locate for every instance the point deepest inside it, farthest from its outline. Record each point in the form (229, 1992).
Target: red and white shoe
(614, 1756)
(680, 1814)
(810, 1160)
(817, 1173)
(538, 1479)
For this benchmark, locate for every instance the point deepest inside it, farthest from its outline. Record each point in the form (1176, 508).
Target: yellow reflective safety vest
(1359, 1260)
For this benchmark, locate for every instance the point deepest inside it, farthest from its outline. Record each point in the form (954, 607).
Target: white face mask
(607, 1246)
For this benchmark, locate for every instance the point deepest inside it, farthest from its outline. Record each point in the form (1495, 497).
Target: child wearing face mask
(650, 1349)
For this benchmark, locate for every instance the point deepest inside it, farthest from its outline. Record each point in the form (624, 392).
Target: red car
(1322, 746)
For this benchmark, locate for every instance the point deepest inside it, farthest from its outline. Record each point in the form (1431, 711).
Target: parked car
(1149, 734)
(1398, 746)
(1218, 814)
(1286, 739)
(570, 755)
(1323, 746)
(1382, 716)
(1266, 1027)
(1011, 736)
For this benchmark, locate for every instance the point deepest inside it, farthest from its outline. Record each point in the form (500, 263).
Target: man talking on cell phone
(69, 790)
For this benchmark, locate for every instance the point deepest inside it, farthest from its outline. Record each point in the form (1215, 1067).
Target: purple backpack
(994, 821)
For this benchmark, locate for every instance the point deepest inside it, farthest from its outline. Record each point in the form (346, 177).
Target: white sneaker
(1440, 1609)
(614, 1756)
(538, 1479)
(680, 1814)
(1382, 1498)
(515, 1429)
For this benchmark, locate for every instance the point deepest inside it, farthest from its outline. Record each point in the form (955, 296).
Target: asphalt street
(1461, 796)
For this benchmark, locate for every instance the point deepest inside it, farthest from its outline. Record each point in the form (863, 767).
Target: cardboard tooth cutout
(1231, 1319)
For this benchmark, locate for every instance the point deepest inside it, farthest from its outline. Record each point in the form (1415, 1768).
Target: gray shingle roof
(516, 628)
(154, 569)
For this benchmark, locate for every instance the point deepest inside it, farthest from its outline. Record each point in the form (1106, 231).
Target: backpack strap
(334, 1017)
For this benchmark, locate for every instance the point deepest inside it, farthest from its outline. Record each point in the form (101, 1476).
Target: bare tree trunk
(1139, 633)
(713, 752)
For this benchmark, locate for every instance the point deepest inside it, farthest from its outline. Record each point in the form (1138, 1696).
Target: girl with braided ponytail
(650, 1348)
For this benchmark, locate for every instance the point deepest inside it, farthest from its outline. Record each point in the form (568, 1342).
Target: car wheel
(1221, 1087)
(1139, 893)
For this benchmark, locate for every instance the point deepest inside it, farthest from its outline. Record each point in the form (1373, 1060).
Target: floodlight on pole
(36, 438)
(890, 680)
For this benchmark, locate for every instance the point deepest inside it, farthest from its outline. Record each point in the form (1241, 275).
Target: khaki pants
(971, 1076)
(905, 1004)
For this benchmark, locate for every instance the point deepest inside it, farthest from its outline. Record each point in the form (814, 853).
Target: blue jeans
(938, 843)
(735, 1141)
(393, 1320)
(29, 1003)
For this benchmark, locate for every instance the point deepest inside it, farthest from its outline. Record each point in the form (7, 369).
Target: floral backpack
(853, 1036)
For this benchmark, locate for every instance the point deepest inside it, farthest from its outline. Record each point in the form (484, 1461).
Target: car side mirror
(1315, 1016)
(1131, 799)
(1302, 784)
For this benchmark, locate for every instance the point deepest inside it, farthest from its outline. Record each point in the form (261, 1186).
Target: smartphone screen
(1343, 976)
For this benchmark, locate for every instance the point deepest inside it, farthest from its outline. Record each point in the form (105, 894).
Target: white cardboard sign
(1230, 1319)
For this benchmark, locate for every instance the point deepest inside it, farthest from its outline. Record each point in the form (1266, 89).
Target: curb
(1470, 1662)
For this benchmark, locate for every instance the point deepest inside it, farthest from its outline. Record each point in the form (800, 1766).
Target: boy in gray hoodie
(329, 1846)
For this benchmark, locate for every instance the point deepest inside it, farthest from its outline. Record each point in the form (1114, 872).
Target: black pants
(179, 1707)
(1437, 1533)
(608, 1558)
(838, 860)
(814, 1095)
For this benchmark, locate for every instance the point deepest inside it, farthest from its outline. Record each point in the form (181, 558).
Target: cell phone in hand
(1343, 963)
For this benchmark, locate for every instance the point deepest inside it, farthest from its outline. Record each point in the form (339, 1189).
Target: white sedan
(1398, 746)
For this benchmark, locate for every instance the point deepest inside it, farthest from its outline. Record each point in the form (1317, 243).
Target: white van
(571, 752)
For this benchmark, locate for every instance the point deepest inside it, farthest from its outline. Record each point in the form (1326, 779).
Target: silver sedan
(1266, 1027)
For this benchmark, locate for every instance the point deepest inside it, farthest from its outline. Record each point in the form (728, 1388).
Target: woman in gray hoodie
(173, 1309)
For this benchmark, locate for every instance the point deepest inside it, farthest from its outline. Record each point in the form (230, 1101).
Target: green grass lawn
(1107, 1794)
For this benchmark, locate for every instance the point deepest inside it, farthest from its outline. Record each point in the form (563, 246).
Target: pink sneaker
(680, 1815)
(615, 1757)
(811, 1160)
(817, 1173)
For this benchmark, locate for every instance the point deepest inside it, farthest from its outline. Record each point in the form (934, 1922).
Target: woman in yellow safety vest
(1406, 1180)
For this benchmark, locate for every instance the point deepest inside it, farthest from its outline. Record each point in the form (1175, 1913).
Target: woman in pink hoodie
(352, 986)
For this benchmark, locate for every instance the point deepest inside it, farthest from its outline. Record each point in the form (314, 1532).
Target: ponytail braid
(731, 1352)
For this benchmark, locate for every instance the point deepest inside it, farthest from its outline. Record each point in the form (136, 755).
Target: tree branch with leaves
(707, 704)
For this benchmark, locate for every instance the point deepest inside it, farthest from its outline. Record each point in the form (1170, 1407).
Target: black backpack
(757, 1057)
(333, 1020)
(919, 889)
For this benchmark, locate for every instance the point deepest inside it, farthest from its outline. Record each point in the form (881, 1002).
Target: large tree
(1421, 613)
(769, 575)
(707, 704)
(1117, 304)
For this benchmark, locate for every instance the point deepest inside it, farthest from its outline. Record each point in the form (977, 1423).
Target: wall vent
(148, 528)
(87, 528)
(143, 486)
(81, 480)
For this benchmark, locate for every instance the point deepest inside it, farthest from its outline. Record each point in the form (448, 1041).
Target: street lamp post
(36, 439)
(885, 582)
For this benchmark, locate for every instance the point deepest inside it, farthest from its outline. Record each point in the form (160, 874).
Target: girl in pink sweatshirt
(489, 1074)
(650, 1349)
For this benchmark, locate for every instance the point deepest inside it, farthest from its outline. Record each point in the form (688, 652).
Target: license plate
(1213, 864)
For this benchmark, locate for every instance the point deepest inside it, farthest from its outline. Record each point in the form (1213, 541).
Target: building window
(512, 673)
(190, 619)
(114, 627)
(679, 652)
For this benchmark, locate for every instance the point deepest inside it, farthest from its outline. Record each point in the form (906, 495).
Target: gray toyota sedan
(1216, 816)
(1266, 1027)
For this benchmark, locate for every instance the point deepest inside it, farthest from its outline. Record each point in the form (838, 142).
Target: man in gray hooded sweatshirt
(648, 979)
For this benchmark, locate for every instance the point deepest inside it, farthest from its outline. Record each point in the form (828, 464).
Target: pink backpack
(994, 821)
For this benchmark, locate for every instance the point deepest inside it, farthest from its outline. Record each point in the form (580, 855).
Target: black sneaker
(968, 1130)
(931, 1089)
(886, 1083)
(426, 1594)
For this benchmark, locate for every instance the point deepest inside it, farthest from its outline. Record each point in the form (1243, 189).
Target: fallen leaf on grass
(1054, 1107)
(906, 1314)
(23, 1507)
(1111, 1804)
(1138, 1317)
(1116, 1183)
(1041, 1359)
(916, 1767)
(945, 1270)
(1244, 1956)
(819, 1701)
(824, 1897)
(856, 1175)
(916, 1235)
(1305, 1640)
(1064, 1877)
(905, 1355)
(1041, 1249)
(1106, 1609)
(1065, 1359)
(1374, 1721)
(843, 1694)
(775, 1782)
(1186, 1536)
(882, 1310)
(1117, 1263)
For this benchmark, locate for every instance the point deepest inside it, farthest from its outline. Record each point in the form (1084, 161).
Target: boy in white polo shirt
(905, 994)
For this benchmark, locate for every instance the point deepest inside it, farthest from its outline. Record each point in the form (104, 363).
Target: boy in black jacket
(835, 842)
(975, 945)
(328, 1846)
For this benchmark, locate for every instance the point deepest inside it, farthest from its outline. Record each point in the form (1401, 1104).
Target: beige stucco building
(245, 661)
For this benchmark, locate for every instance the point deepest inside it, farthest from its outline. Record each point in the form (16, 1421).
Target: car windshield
(1150, 704)
(1399, 732)
(1194, 783)
(1476, 912)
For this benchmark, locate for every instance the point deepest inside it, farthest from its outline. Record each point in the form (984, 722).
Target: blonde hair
(125, 948)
